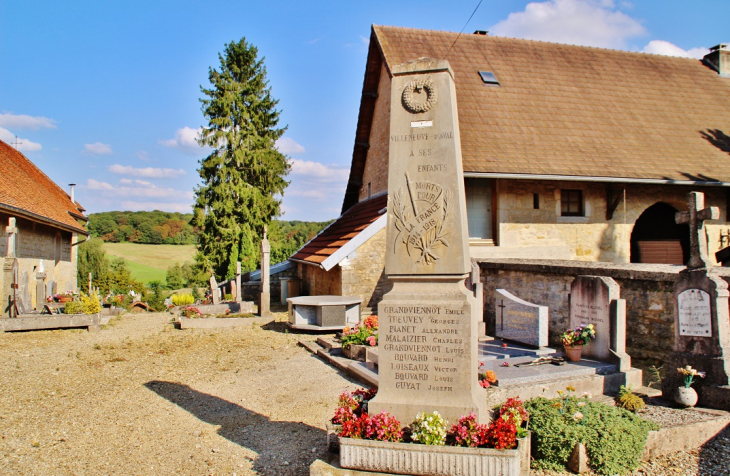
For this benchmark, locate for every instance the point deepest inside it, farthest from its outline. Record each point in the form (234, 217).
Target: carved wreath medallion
(416, 86)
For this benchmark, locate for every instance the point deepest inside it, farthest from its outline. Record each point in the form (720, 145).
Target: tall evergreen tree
(243, 177)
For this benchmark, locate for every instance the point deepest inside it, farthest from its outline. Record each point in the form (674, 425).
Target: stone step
(371, 355)
(365, 371)
(329, 342)
(312, 347)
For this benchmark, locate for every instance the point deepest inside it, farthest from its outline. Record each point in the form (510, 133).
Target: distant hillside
(158, 227)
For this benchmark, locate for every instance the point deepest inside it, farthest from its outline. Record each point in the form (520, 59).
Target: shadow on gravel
(274, 441)
(715, 455)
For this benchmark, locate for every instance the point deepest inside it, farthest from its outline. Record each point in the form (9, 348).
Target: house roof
(563, 110)
(345, 233)
(26, 191)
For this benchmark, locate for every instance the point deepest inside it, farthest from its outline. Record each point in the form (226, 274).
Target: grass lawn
(150, 262)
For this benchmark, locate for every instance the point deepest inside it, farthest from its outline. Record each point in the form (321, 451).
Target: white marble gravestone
(520, 321)
(428, 322)
(694, 313)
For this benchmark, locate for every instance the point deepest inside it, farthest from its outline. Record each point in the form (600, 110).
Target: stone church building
(569, 153)
(41, 224)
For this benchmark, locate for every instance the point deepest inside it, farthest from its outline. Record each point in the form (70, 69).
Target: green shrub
(73, 307)
(629, 400)
(614, 437)
(84, 305)
(429, 429)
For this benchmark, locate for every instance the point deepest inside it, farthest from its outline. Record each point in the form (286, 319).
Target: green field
(150, 262)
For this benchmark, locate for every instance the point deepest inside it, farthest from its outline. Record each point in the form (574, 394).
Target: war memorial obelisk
(428, 321)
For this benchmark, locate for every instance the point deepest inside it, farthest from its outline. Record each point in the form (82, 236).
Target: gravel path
(141, 398)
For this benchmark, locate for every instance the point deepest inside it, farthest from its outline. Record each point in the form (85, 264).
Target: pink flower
(484, 383)
(371, 340)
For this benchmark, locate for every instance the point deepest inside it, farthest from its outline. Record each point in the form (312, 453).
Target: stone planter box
(426, 460)
(355, 352)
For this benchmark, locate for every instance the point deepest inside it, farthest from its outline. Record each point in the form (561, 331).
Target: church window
(571, 203)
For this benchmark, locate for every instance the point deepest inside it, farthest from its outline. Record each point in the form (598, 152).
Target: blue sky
(106, 94)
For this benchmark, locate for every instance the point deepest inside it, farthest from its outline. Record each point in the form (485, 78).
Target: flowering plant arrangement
(501, 434)
(689, 375)
(364, 333)
(352, 404)
(191, 311)
(581, 335)
(488, 378)
(467, 432)
(513, 411)
(429, 429)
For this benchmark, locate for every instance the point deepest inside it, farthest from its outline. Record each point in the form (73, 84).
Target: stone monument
(428, 321)
(237, 295)
(10, 273)
(214, 291)
(519, 320)
(40, 287)
(596, 300)
(265, 296)
(701, 317)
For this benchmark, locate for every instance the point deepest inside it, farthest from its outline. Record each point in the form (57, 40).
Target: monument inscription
(694, 313)
(590, 303)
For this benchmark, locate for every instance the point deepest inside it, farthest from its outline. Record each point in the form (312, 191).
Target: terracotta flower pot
(686, 396)
(573, 352)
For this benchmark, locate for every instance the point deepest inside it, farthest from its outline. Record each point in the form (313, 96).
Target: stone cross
(237, 296)
(214, 295)
(695, 218)
(11, 230)
(265, 296)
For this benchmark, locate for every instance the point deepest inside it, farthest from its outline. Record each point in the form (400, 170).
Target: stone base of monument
(415, 459)
(92, 322)
(227, 307)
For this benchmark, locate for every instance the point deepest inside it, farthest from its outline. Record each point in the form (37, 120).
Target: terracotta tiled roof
(26, 190)
(341, 231)
(580, 111)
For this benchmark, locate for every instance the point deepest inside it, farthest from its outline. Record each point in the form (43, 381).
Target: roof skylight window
(489, 78)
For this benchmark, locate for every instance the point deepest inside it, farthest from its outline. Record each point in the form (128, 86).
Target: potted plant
(355, 341)
(687, 396)
(574, 340)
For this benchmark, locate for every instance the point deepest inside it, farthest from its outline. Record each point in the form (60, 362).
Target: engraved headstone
(701, 317)
(428, 321)
(237, 296)
(520, 321)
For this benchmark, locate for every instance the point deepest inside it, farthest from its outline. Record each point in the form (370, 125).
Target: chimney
(719, 59)
(71, 186)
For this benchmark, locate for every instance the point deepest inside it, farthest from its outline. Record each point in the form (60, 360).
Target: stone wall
(647, 288)
(528, 233)
(318, 282)
(376, 164)
(362, 272)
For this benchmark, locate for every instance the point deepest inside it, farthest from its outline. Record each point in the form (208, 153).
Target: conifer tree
(243, 177)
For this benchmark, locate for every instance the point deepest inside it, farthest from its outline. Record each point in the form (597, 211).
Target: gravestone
(701, 317)
(265, 296)
(40, 289)
(237, 296)
(214, 291)
(10, 273)
(519, 320)
(234, 293)
(428, 321)
(596, 300)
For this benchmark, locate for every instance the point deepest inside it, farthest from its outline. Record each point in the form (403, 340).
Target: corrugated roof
(26, 190)
(573, 110)
(341, 231)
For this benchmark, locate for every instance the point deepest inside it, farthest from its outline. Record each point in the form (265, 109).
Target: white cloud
(316, 194)
(23, 121)
(143, 155)
(319, 172)
(579, 22)
(660, 47)
(146, 172)
(24, 145)
(140, 189)
(288, 146)
(97, 148)
(186, 140)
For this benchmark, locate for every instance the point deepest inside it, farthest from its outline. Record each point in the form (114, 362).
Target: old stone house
(569, 153)
(48, 224)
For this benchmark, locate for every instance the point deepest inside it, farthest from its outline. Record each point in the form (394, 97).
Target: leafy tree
(243, 177)
(174, 277)
(92, 259)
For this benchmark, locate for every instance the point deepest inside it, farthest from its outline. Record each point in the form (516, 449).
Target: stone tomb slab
(497, 349)
(520, 321)
(694, 313)
(590, 303)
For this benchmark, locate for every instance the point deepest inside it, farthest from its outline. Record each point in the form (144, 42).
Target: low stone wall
(647, 289)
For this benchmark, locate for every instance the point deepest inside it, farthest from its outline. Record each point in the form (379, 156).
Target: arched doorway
(657, 238)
